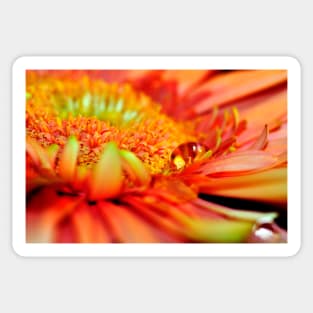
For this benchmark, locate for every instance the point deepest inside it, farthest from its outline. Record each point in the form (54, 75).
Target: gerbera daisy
(156, 156)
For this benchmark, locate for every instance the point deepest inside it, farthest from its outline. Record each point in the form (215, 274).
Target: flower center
(96, 113)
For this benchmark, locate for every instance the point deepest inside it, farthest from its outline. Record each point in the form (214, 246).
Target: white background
(160, 28)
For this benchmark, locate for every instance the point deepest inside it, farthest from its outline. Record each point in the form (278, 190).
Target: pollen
(96, 113)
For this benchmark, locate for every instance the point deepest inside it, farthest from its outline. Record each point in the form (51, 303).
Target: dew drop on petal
(268, 233)
(186, 153)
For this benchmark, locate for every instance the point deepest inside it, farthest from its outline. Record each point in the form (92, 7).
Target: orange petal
(44, 211)
(236, 162)
(81, 177)
(89, 228)
(52, 152)
(172, 190)
(38, 154)
(68, 159)
(229, 87)
(270, 105)
(270, 110)
(154, 210)
(261, 142)
(268, 186)
(106, 177)
(186, 79)
(277, 146)
(65, 232)
(138, 75)
(218, 231)
(136, 167)
(127, 226)
(243, 215)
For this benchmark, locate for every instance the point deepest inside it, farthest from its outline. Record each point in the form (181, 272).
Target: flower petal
(126, 226)
(68, 159)
(236, 162)
(219, 231)
(136, 167)
(106, 177)
(268, 233)
(38, 154)
(44, 211)
(235, 85)
(277, 146)
(243, 215)
(52, 152)
(268, 186)
(186, 79)
(272, 106)
(88, 226)
(154, 210)
(262, 141)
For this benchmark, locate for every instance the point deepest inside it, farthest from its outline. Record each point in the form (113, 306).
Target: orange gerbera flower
(156, 156)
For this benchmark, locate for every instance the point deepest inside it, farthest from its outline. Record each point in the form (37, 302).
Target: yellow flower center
(96, 113)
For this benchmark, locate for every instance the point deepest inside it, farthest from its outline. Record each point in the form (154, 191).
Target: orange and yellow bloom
(156, 156)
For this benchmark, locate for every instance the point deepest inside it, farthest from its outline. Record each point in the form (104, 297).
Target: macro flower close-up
(156, 156)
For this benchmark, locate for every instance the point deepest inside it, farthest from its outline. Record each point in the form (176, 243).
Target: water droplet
(186, 153)
(268, 233)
